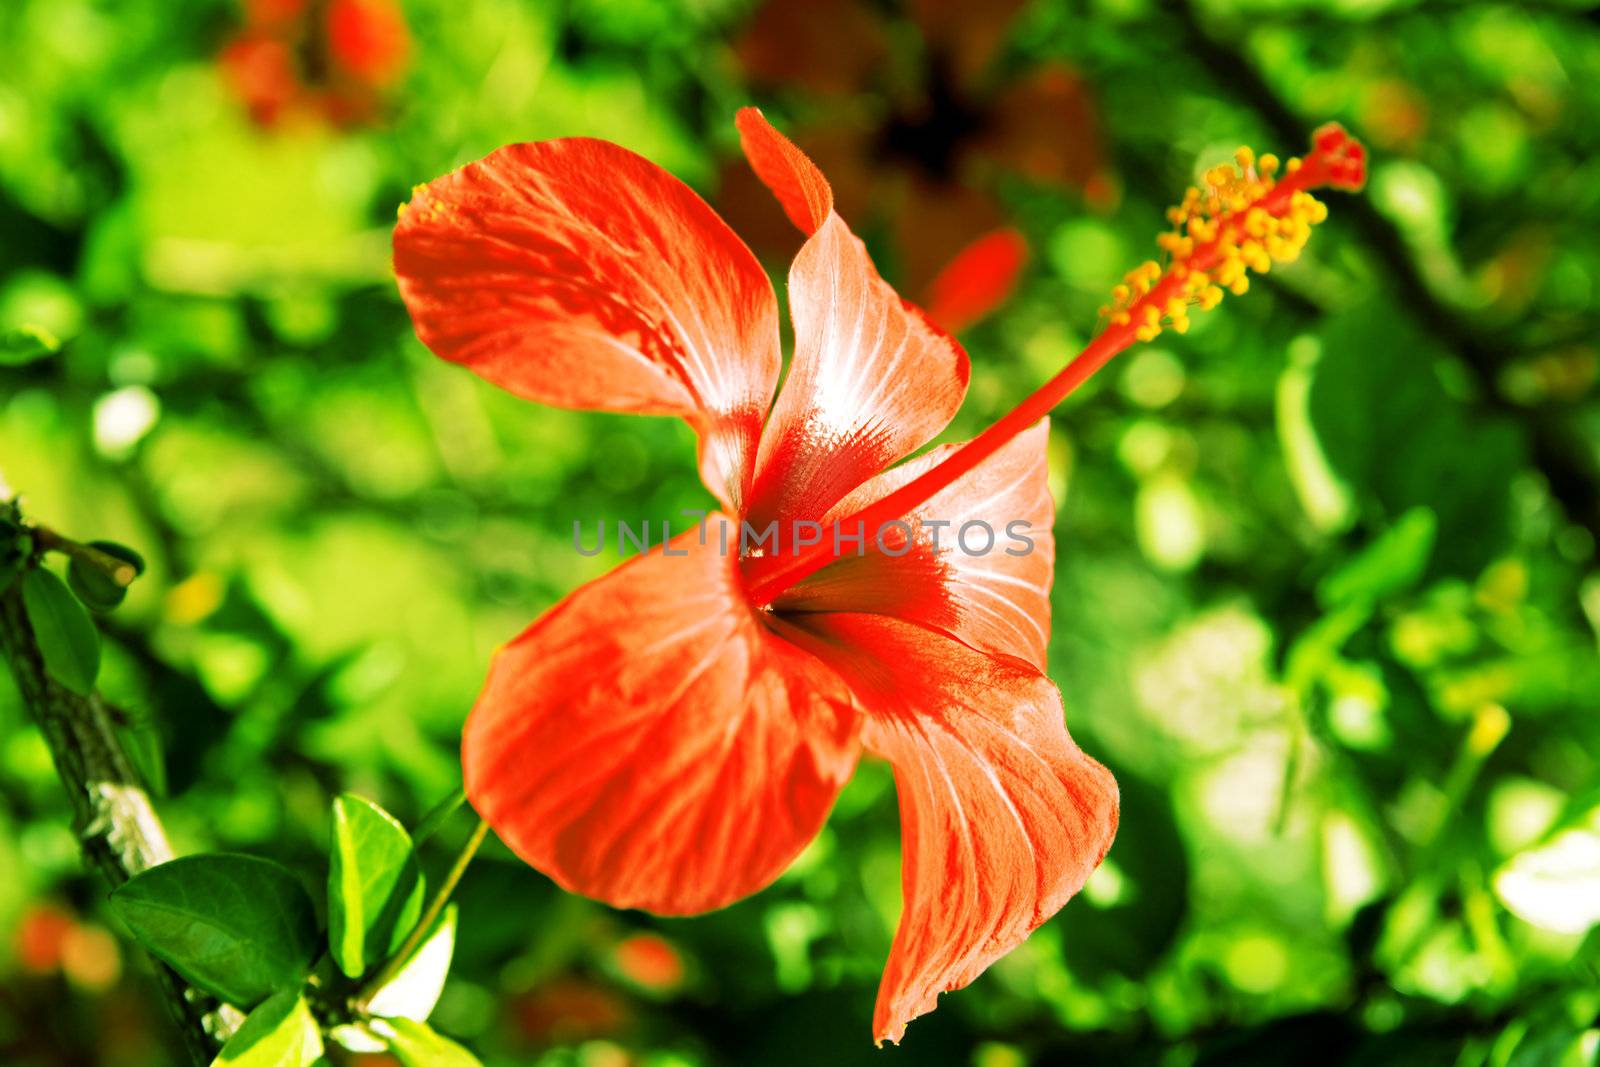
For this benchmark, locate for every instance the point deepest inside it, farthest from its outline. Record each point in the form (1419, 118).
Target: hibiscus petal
(871, 380)
(805, 194)
(1002, 817)
(980, 279)
(650, 743)
(577, 273)
(988, 580)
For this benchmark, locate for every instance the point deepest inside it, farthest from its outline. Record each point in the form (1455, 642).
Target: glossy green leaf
(414, 1044)
(239, 927)
(413, 992)
(281, 1032)
(68, 641)
(374, 885)
(97, 589)
(1393, 563)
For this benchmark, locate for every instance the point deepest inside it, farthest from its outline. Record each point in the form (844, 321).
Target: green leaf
(413, 992)
(1391, 564)
(97, 589)
(415, 1045)
(374, 885)
(68, 641)
(1389, 427)
(239, 927)
(26, 343)
(279, 1033)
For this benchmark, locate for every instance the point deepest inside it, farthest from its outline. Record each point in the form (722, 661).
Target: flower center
(1244, 220)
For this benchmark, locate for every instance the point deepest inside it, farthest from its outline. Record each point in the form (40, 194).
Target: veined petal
(650, 743)
(577, 273)
(1002, 817)
(871, 379)
(978, 564)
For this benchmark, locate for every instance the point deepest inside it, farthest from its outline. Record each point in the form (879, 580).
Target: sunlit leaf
(1555, 886)
(413, 992)
(281, 1032)
(415, 1045)
(374, 885)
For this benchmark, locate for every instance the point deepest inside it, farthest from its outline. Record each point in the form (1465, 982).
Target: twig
(116, 825)
(118, 570)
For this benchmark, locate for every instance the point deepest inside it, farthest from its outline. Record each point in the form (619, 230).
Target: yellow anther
(1223, 222)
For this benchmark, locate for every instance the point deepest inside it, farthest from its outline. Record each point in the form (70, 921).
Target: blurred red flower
(569, 1009)
(42, 935)
(331, 58)
(913, 145)
(651, 961)
(671, 735)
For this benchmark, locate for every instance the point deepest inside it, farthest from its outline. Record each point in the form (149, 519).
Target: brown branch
(116, 824)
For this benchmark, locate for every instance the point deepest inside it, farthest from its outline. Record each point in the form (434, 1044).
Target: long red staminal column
(1243, 222)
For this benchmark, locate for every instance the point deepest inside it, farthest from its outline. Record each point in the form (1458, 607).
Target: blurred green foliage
(1327, 599)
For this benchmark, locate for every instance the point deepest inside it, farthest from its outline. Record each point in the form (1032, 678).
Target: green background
(1326, 601)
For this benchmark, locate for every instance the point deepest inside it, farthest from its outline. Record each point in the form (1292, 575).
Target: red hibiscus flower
(671, 735)
(331, 58)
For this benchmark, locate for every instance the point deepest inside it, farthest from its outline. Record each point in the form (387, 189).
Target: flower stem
(401, 956)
